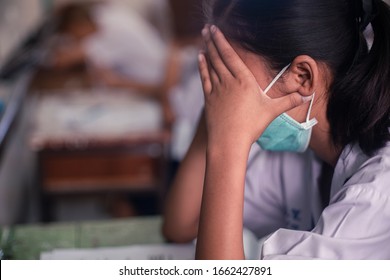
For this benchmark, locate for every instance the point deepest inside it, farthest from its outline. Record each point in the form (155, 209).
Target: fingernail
(205, 32)
(201, 57)
(213, 29)
(307, 98)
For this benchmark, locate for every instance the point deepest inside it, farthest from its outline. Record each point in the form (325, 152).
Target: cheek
(274, 92)
(257, 67)
(299, 113)
(264, 79)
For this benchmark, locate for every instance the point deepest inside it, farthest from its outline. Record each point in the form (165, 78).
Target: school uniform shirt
(187, 101)
(282, 201)
(126, 43)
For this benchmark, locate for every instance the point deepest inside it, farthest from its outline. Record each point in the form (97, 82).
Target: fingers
(230, 58)
(288, 102)
(204, 74)
(214, 57)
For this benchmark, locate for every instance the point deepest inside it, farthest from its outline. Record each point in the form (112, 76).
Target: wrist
(229, 143)
(227, 148)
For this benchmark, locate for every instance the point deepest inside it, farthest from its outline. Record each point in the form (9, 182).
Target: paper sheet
(94, 115)
(252, 248)
(136, 252)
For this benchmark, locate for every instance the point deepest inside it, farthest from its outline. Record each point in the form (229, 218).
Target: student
(291, 75)
(119, 45)
(126, 52)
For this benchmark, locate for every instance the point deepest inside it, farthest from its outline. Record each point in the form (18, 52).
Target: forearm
(146, 89)
(182, 207)
(237, 114)
(181, 215)
(221, 220)
(68, 57)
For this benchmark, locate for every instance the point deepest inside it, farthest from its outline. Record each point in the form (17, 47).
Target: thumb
(290, 101)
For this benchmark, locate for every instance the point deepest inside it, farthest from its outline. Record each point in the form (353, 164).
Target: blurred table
(98, 141)
(29, 241)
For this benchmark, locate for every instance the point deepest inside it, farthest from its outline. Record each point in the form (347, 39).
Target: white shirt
(284, 201)
(187, 101)
(127, 43)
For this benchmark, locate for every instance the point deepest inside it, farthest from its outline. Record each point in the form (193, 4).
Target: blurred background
(98, 105)
(99, 101)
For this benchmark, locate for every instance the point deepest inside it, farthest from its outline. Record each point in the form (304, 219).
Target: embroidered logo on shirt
(294, 218)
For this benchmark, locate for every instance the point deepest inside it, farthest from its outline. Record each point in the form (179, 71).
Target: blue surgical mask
(284, 133)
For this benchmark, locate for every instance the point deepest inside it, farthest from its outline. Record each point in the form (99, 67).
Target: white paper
(252, 248)
(136, 252)
(94, 115)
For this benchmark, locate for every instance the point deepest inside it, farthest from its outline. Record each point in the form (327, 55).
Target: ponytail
(359, 103)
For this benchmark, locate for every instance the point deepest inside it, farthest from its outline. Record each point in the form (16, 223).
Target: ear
(302, 75)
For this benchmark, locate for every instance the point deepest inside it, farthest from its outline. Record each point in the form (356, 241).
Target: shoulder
(356, 171)
(355, 224)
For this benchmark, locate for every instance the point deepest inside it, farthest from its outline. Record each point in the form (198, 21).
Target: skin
(231, 78)
(68, 56)
(233, 103)
(182, 204)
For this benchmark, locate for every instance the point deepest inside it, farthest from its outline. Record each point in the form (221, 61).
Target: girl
(291, 75)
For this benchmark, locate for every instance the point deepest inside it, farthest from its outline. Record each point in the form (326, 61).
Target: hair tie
(368, 13)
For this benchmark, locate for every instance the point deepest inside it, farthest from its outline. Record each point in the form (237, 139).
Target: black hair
(329, 31)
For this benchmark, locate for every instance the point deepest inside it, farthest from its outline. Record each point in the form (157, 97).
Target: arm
(65, 57)
(233, 108)
(221, 223)
(182, 208)
(159, 91)
(116, 80)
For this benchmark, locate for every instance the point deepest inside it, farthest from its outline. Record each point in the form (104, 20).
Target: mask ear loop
(276, 78)
(310, 107)
(310, 123)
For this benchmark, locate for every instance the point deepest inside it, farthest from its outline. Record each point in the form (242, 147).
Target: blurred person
(120, 47)
(125, 51)
(169, 71)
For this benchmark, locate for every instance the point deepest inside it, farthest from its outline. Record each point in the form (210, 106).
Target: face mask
(284, 133)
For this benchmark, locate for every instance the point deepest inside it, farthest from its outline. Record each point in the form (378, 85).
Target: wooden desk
(82, 150)
(136, 164)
